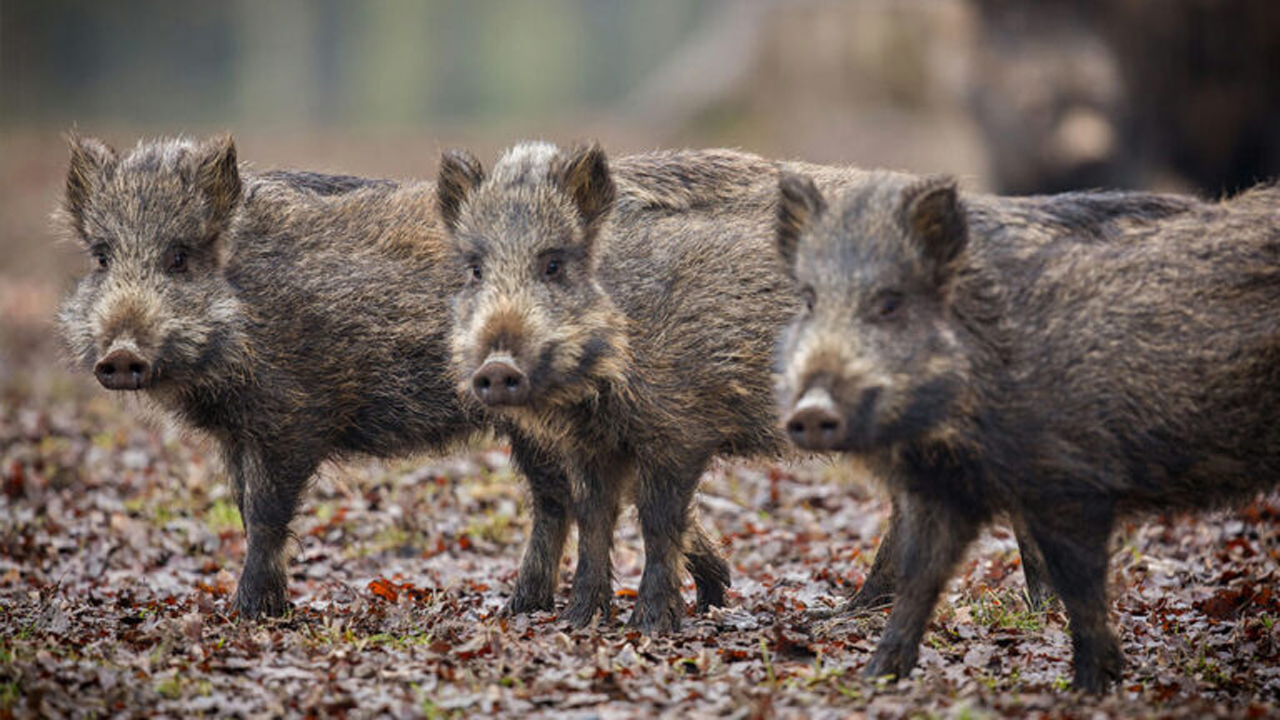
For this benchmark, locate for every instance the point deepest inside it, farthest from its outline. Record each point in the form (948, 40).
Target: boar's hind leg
(1039, 592)
(268, 495)
(710, 571)
(877, 590)
(932, 536)
(552, 502)
(664, 494)
(1074, 545)
(596, 497)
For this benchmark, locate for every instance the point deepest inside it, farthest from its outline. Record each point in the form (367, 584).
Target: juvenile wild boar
(624, 320)
(293, 317)
(1122, 365)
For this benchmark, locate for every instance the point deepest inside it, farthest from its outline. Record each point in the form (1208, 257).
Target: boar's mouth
(559, 372)
(872, 426)
(867, 421)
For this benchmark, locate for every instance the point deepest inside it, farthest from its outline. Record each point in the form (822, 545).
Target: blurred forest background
(1013, 97)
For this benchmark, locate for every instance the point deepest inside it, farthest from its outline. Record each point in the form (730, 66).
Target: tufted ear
(218, 176)
(583, 174)
(799, 204)
(932, 216)
(92, 162)
(460, 174)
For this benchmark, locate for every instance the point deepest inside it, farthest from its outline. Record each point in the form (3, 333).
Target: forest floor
(120, 547)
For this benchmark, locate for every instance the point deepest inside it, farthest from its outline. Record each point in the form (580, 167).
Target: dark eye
(809, 296)
(100, 257)
(177, 262)
(888, 303)
(474, 272)
(551, 267)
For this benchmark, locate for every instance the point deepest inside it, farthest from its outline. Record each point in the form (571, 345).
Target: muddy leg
(596, 498)
(1075, 553)
(932, 537)
(552, 503)
(664, 493)
(1034, 572)
(268, 496)
(710, 571)
(878, 589)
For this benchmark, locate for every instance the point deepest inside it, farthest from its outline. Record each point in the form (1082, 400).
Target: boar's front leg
(597, 492)
(932, 536)
(664, 494)
(552, 503)
(267, 493)
(878, 588)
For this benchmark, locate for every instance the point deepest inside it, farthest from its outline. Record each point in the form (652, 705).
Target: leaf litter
(120, 544)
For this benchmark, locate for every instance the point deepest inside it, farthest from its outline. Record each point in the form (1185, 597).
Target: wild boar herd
(1055, 362)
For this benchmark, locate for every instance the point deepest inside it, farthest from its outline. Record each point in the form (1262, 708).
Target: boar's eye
(100, 257)
(474, 273)
(809, 296)
(887, 304)
(176, 261)
(552, 266)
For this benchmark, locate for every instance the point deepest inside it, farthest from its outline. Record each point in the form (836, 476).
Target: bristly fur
(1070, 360)
(308, 323)
(648, 349)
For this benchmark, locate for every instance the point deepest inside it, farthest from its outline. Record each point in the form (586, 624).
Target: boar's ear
(933, 217)
(583, 173)
(91, 161)
(460, 174)
(799, 204)
(218, 176)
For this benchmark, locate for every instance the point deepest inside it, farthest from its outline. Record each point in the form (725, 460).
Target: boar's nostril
(815, 428)
(500, 382)
(815, 423)
(123, 369)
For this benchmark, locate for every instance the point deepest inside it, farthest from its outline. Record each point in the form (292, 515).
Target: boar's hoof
(523, 603)
(579, 613)
(253, 605)
(709, 596)
(865, 603)
(654, 617)
(890, 660)
(1095, 675)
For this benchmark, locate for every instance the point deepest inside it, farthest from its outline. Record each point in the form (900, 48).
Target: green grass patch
(1005, 610)
(495, 527)
(223, 516)
(9, 694)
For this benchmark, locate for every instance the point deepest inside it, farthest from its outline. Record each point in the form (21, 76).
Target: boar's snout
(123, 369)
(500, 382)
(814, 422)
